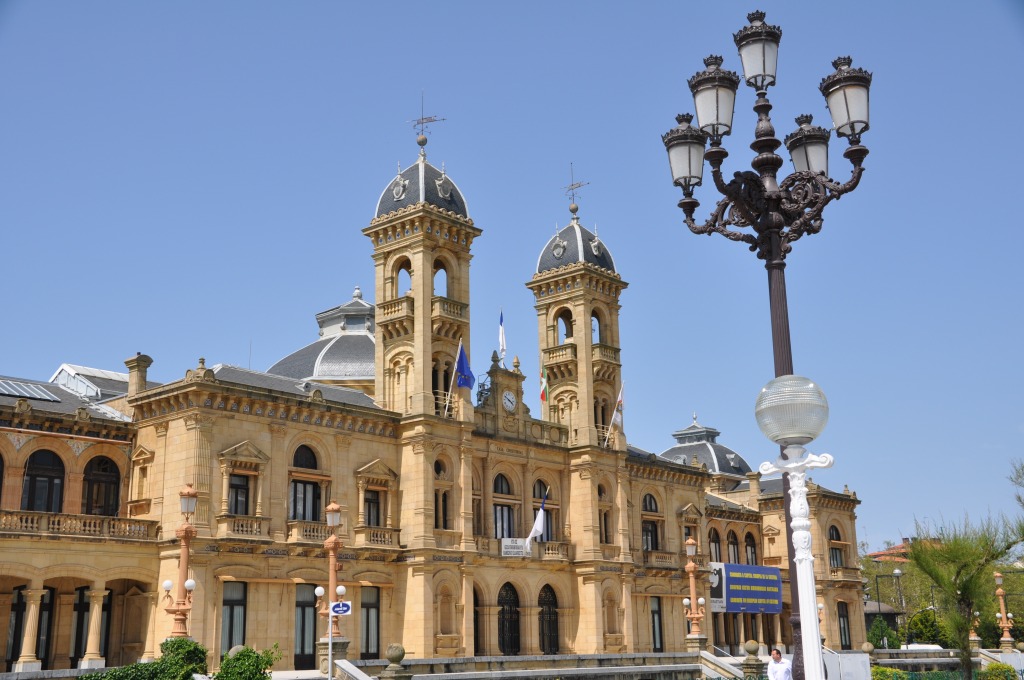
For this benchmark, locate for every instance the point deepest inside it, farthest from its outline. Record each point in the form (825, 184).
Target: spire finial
(422, 122)
(571, 191)
(694, 417)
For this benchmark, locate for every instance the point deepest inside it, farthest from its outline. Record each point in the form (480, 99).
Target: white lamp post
(792, 411)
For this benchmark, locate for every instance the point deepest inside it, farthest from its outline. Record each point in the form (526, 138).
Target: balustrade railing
(90, 526)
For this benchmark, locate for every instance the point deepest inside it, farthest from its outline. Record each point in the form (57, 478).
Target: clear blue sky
(190, 178)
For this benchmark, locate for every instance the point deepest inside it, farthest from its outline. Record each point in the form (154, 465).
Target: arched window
(548, 615)
(715, 543)
(734, 548)
(304, 501)
(43, 490)
(650, 533)
(441, 383)
(750, 547)
(564, 322)
(508, 620)
(504, 509)
(836, 548)
(595, 329)
(440, 279)
(102, 484)
(442, 493)
(403, 279)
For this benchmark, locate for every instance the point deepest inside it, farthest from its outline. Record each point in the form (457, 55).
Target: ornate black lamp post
(756, 208)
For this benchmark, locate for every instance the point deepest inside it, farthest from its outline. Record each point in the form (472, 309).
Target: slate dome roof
(345, 350)
(574, 243)
(421, 182)
(699, 442)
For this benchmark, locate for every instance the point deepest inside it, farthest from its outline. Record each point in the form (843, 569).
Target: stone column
(92, 658)
(149, 648)
(28, 661)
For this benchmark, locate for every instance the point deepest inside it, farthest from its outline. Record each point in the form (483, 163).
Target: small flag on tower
(464, 376)
(501, 336)
(616, 416)
(544, 387)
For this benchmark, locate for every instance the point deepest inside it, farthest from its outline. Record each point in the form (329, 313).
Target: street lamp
(182, 604)
(331, 545)
(777, 213)
(1005, 619)
(792, 411)
(898, 600)
(694, 614)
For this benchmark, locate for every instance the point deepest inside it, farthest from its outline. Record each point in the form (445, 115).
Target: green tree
(882, 636)
(958, 558)
(248, 664)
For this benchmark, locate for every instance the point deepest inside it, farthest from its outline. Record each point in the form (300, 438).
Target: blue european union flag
(464, 376)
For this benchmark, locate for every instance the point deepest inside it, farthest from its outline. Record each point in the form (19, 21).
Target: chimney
(137, 366)
(754, 478)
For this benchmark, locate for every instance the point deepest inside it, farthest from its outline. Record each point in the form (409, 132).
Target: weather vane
(424, 120)
(574, 186)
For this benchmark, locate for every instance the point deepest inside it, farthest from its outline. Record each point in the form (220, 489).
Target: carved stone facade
(428, 482)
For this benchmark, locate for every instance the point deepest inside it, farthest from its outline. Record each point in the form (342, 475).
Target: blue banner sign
(739, 588)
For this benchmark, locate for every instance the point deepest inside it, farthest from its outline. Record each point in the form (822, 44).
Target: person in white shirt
(779, 668)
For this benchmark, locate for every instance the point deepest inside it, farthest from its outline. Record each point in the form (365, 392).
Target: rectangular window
(369, 623)
(606, 530)
(504, 522)
(657, 643)
(649, 535)
(305, 627)
(305, 501)
(238, 495)
(843, 613)
(232, 630)
(835, 557)
(371, 508)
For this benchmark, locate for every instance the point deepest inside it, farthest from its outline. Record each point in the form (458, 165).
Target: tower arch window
(836, 548)
(547, 602)
(43, 490)
(441, 282)
(715, 545)
(402, 279)
(441, 382)
(508, 620)
(750, 548)
(604, 509)
(734, 548)
(442, 494)
(564, 321)
(102, 485)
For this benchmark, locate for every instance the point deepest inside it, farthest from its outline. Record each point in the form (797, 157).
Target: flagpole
(455, 375)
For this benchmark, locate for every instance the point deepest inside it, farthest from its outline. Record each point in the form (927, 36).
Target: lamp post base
(340, 651)
(696, 643)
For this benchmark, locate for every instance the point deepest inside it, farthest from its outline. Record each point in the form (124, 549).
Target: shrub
(883, 673)
(181, 658)
(248, 664)
(998, 671)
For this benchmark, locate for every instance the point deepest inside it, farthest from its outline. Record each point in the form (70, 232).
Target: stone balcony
(300, 531)
(242, 526)
(375, 537)
(78, 526)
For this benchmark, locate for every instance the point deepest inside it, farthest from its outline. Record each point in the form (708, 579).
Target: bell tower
(576, 294)
(421, 236)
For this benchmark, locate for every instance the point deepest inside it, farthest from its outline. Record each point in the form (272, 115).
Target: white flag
(538, 524)
(616, 416)
(501, 336)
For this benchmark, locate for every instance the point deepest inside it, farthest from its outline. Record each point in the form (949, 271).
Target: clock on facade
(508, 400)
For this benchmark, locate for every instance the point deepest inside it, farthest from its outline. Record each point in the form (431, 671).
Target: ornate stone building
(429, 478)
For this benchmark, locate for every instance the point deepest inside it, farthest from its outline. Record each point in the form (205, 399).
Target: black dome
(421, 182)
(698, 442)
(574, 243)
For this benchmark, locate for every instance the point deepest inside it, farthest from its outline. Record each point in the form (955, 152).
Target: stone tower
(421, 235)
(576, 293)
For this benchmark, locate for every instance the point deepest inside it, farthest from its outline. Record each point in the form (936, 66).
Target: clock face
(508, 400)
